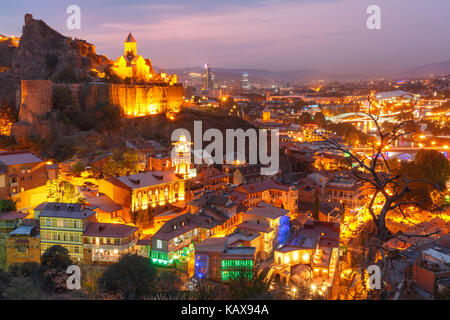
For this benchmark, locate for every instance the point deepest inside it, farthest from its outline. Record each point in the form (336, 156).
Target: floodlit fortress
(145, 92)
(156, 92)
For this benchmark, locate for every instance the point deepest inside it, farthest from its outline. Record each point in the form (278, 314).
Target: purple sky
(324, 35)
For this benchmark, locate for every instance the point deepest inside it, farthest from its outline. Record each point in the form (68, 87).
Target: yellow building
(23, 245)
(140, 191)
(63, 224)
(266, 114)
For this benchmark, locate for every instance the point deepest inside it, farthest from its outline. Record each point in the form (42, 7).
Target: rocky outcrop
(45, 54)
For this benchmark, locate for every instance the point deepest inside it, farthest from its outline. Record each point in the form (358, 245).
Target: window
(158, 244)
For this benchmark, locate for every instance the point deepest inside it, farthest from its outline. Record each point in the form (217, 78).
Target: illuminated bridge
(404, 153)
(361, 117)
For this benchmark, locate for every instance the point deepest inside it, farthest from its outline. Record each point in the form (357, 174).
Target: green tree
(27, 269)
(243, 287)
(7, 205)
(54, 263)
(56, 257)
(90, 281)
(5, 280)
(428, 165)
(320, 120)
(63, 191)
(123, 161)
(131, 278)
(78, 168)
(204, 291)
(168, 282)
(22, 288)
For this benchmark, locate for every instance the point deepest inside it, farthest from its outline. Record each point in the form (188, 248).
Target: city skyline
(327, 36)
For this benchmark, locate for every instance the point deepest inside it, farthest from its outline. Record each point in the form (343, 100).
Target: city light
(241, 178)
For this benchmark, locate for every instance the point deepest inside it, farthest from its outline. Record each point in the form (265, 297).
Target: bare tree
(374, 170)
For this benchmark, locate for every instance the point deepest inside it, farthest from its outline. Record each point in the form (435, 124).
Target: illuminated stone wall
(36, 99)
(134, 100)
(5, 126)
(141, 100)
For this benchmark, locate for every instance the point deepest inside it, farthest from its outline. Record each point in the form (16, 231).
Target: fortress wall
(36, 99)
(134, 100)
(138, 100)
(175, 98)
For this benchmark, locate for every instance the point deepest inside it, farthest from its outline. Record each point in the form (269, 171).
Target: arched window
(139, 200)
(175, 192)
(150, 200)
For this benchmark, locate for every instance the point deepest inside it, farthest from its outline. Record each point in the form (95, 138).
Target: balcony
(105, 258)
(107, 247)
(180, 245)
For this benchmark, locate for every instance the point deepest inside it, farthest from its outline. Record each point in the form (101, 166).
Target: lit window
(158, 244)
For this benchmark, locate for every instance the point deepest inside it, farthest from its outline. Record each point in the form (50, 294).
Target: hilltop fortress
(43, 53)
(151, 94)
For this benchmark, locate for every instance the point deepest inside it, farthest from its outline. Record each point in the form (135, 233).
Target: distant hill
(265, 77)
(439, 68)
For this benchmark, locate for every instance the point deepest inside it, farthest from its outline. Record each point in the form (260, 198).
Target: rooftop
(313, 232)
(101, 201)
(267, 210)
(22, 231)
(19, 157)
(255, 227)
(183, 224)
(109, 230)
(12, 215)
(63, 210)
(147, 179)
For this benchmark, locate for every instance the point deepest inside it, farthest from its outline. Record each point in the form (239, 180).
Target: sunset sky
(324, 35)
